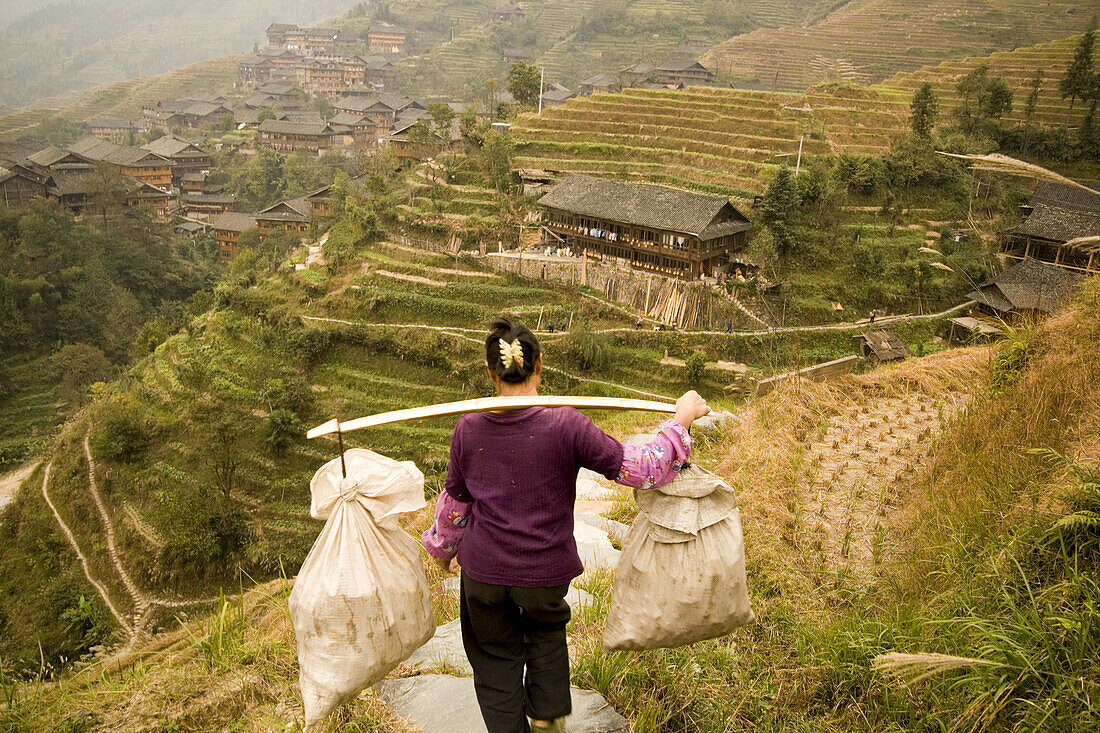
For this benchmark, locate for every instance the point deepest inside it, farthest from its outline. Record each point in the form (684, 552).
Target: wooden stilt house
(674, 232)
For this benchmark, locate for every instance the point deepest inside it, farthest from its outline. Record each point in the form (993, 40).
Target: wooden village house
(200, 203)
(143, 165)
(186, 157)
(683, 71)
(116, 130)
(665, 230)
(386, 38)
(19, 186)
(1029, 289)
(1057, 216)
(227, 232)
(287, 136)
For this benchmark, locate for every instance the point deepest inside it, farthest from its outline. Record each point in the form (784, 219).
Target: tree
(924, 108)
(982, 99)
(498, 160)
(471, 130)
(219, 423)
(108, 189)
(1077, 83)
(1032, 101)
(423, 142)
(778, 208)
(442, 117)
(265, 113)
(525, 83)
(323, 107)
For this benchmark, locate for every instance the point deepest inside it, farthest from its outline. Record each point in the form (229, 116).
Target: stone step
(446, 704)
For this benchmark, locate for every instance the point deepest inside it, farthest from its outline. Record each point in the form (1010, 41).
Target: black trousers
(504, 630)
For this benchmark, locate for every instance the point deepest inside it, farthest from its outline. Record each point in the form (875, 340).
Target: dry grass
(774, 459)
(240, 674)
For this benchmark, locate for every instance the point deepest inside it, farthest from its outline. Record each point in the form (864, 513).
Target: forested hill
(53, 48)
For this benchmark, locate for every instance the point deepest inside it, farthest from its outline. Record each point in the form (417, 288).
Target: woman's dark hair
(502, 329)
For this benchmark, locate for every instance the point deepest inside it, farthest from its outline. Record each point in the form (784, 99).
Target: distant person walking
(873, 314)
(639, 323)
(729, 326)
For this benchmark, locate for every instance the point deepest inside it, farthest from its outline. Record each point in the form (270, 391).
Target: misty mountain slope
(52, 48)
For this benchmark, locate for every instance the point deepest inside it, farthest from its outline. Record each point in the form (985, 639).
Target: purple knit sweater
(507, 508)
(519, 469)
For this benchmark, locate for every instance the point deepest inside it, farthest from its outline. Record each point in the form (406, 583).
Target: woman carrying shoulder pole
(506, 514)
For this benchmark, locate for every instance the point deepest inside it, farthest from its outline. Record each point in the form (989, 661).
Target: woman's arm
(452, 510)
(441, 540)
(659, 461)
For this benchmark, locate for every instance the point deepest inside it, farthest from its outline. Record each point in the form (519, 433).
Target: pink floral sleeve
(659, 461)
(451, 517)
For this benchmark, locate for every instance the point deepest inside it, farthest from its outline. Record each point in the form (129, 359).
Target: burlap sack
(681, 575)
(360, 604)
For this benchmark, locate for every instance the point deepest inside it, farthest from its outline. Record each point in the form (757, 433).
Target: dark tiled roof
(105, 150)
(298, 209)
(681, 64)
(600, 80)
(654, 207)
(114, 124)
(1028, 285)
(886, 346)
(51, 155)
(276, 87)
(170, 145)
(71, 181)
(1061, 196)
(208, 198)
(350, 118)
(205, 109)
(232, 221)
(1059, 224)
(285, 127)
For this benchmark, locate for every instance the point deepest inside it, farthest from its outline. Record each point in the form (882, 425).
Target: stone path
(441, 698)
(446, 704)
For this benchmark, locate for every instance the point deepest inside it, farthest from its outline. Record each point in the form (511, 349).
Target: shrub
(123, 433)
(696, 367)
(281, 430)
(76, 367)
(584, 350)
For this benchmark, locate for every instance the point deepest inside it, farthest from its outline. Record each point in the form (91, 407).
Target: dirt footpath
(9, 483)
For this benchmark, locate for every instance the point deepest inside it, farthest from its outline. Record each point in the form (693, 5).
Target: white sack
(360, 605)
(681, 575)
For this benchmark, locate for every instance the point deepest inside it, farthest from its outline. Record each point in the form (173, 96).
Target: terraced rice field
(720, 140)
(1016, 67)
(868, 40)
(125, 99)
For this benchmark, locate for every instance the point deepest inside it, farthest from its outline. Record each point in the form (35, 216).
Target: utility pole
(798, 165)
(542, 87)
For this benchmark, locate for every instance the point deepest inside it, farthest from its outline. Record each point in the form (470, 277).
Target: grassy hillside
(919, 509)
(125, 99)
(197, 450)
(869, 40)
